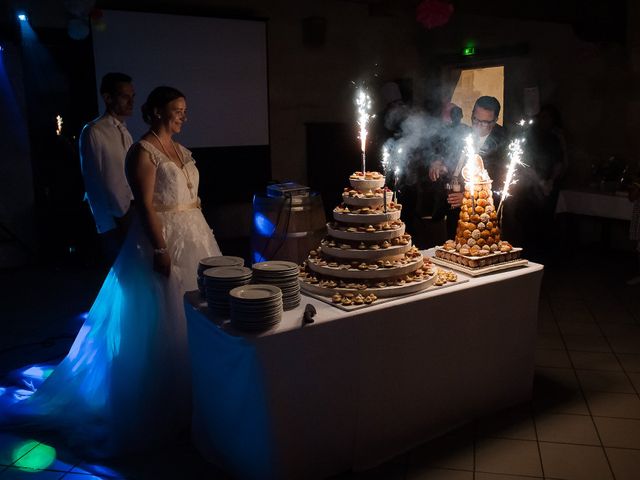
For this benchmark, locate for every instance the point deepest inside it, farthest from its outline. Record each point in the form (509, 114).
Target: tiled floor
(583, 422)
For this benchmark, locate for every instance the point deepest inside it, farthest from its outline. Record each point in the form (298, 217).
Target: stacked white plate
(283, 275)
(217, 283)
(213, 262)
(255, 307)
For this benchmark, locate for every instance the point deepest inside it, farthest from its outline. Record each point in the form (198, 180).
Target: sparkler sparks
(59, 123)
(363, 102)
(515, 159)
(385, 160)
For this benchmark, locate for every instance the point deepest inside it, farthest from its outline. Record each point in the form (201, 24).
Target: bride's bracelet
(160, 251)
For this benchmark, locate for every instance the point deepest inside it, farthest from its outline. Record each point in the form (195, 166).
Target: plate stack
(283, 275)
(212, 262)
(217, 283)
(255, 307)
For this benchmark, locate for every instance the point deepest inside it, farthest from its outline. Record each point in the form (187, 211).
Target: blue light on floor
(22, 17)
(32, 455)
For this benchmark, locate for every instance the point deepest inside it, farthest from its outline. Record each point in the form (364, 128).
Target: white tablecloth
(596, 204)
(356, 388)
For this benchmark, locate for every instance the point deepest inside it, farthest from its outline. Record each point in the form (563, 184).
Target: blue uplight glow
(22, 17)
(263, 225)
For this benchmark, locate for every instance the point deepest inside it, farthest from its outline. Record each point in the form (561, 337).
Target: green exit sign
(466, 51)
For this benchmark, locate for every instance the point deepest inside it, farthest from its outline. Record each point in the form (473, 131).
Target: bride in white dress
(125, 383)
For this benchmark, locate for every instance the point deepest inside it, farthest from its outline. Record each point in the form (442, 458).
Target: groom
(104, 143)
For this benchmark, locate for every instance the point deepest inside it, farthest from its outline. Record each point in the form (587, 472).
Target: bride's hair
(157, 100)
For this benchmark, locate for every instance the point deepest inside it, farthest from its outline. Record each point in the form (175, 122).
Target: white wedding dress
(125, 383)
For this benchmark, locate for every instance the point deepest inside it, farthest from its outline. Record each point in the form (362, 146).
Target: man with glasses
(104, 143)
(490, 140)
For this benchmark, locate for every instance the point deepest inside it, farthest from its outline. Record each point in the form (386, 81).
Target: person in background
(449, 149)
(536, 193)
(104, 143)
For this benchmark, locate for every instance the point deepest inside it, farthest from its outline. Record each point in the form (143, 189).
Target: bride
(125, 383)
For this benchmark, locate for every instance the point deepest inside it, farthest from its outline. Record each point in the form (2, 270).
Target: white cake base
(392, 291)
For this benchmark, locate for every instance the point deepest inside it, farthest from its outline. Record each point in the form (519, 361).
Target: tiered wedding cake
(367, 253)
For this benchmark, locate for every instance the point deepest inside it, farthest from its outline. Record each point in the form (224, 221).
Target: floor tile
(635, 380)
(574, 462)
(452, 452)
(570, 310)
(552, 358)
(391, 470)
(548, 326)
(620, 329)
(12, 447)
(560, 402)
(625, 463)
(625, 344)
(619, 432)
(620, 405)
(80, 476)
(586, 343)
(630, 362)
(43, 457)
(514, 424)
(561, 428)
(605, 381)
(556, 378)
(595, 361)
(438, 474)
(611, 314)
(549, 341)
(579, 328)
(515, 457)
(495, 476)
(12, 473)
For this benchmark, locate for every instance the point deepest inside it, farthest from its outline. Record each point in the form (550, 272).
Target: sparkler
(363, 102)
(470, 170)
(59, 123)
(396, 173)
(385, 160)
(515, 159)
(385, 165)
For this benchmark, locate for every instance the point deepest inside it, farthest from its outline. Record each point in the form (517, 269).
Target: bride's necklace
(182, 165)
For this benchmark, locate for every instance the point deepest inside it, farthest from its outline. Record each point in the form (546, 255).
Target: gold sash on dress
(177, 208)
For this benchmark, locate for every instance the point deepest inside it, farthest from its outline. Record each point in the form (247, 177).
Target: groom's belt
(177, 208)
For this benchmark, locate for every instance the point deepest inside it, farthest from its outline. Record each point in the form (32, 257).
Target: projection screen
(219, 64)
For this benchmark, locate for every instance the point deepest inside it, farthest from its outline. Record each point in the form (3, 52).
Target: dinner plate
(222, 261)
(275, 266)
(235, 272)
(255, 292)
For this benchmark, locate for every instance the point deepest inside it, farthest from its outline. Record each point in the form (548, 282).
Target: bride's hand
(162, 263)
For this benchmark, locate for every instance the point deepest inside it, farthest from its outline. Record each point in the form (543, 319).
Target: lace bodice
(171, 188)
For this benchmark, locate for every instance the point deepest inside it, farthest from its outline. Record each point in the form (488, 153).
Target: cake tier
(381, 292)
(365, 274)
(363, 236)
(363, 200)
(366, 183)
(366, 218)
(366, 253)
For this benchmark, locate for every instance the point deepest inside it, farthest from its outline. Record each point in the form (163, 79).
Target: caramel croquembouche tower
(367, 253)
(477, 243)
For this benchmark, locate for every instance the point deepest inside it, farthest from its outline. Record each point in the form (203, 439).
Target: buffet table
(356, 388)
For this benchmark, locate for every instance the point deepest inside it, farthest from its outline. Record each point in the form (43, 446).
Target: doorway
(476, 82)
